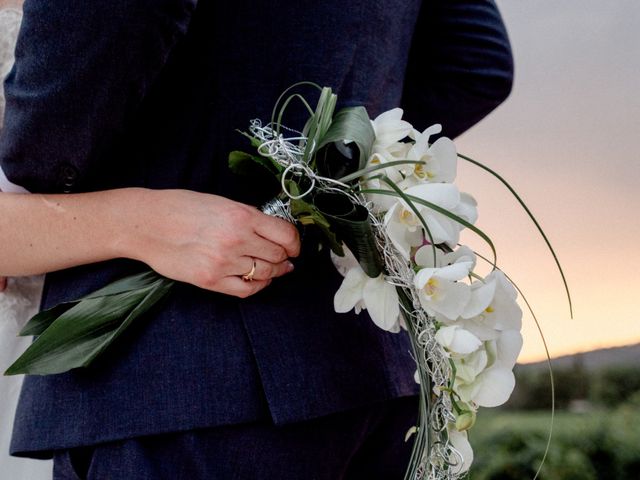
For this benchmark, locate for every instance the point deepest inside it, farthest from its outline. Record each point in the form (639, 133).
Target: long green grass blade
(373, 168)
(283, 94)
(533, 219)
(423, 441)
(411, 198)
(549, 366)
(319, 123)
(399, 193)
(286, 104)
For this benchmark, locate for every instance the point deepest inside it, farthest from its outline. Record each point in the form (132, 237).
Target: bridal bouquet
(383, 195)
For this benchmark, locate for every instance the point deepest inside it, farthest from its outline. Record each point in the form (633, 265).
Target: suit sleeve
(82, 69)
(460, 65)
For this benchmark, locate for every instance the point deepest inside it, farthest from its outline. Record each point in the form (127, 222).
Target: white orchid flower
(383, 305)
(460, 442)
(457, 340)
(440, 291)
(424, 257)
(350, 294)
(392, 172)
(493, 304)
(381, 203)
(405, 229)
(358, 291)
(468, 367)
(496, 383)
(441, 158)
(389, 128)
(345, 263)
(492, 386)
(478, 328)
(394, 152)
(508, 347)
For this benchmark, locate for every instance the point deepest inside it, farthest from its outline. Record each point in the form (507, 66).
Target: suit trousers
(362, 443)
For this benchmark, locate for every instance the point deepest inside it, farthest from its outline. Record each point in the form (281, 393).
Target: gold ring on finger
(248, 277)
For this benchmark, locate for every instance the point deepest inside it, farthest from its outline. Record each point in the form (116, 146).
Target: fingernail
(290, 267)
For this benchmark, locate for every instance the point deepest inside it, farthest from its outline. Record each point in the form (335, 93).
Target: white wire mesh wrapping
(439, 460)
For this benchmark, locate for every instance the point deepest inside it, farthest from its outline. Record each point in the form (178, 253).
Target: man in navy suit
(120, 116)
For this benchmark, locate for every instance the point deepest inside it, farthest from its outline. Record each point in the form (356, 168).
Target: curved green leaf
(282, 95)
(364, 171)
(319, 123)
(533, 219)
(549, 367)
(352, 225)
(351, 124)
(441, 210)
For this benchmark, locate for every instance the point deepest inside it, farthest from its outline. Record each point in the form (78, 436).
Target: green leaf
(255, 143)
(307, 213)
(319, 123)
(127, 284)
(243, 163)
(39, 323)
(351, 124)
(352, 225)
(284, 107)
(84, 331)
(372, 168)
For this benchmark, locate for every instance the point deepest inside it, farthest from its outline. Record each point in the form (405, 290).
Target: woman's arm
(69, 99)
(11, 4)
(7, 4)
(206, 240)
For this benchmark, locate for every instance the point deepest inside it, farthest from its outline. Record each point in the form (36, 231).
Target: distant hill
(594, 360)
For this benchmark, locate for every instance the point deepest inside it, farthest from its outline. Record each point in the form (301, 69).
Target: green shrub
(602, 444)
(614, 385)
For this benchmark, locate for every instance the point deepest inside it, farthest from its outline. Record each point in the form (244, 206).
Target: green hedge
(605, 387)
(602, 444)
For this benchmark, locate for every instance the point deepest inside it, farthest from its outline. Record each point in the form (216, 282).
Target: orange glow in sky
(566, 140)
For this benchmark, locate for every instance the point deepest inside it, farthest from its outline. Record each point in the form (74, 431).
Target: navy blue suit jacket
(149, 93)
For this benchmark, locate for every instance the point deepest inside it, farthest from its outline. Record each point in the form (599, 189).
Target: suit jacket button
(69, 176)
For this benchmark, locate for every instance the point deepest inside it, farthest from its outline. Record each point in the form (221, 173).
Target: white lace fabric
(18, 303)
(9, 25)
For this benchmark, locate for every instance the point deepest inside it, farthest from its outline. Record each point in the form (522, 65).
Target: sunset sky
(566, 140)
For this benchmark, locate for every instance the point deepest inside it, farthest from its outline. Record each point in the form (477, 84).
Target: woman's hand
(210, 241)
(206, 240)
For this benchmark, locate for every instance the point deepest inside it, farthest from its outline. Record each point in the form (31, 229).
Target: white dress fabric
(18, 302)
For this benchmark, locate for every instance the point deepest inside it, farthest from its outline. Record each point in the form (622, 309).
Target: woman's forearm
(11, 3)
(206, 240)
(43, 233)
